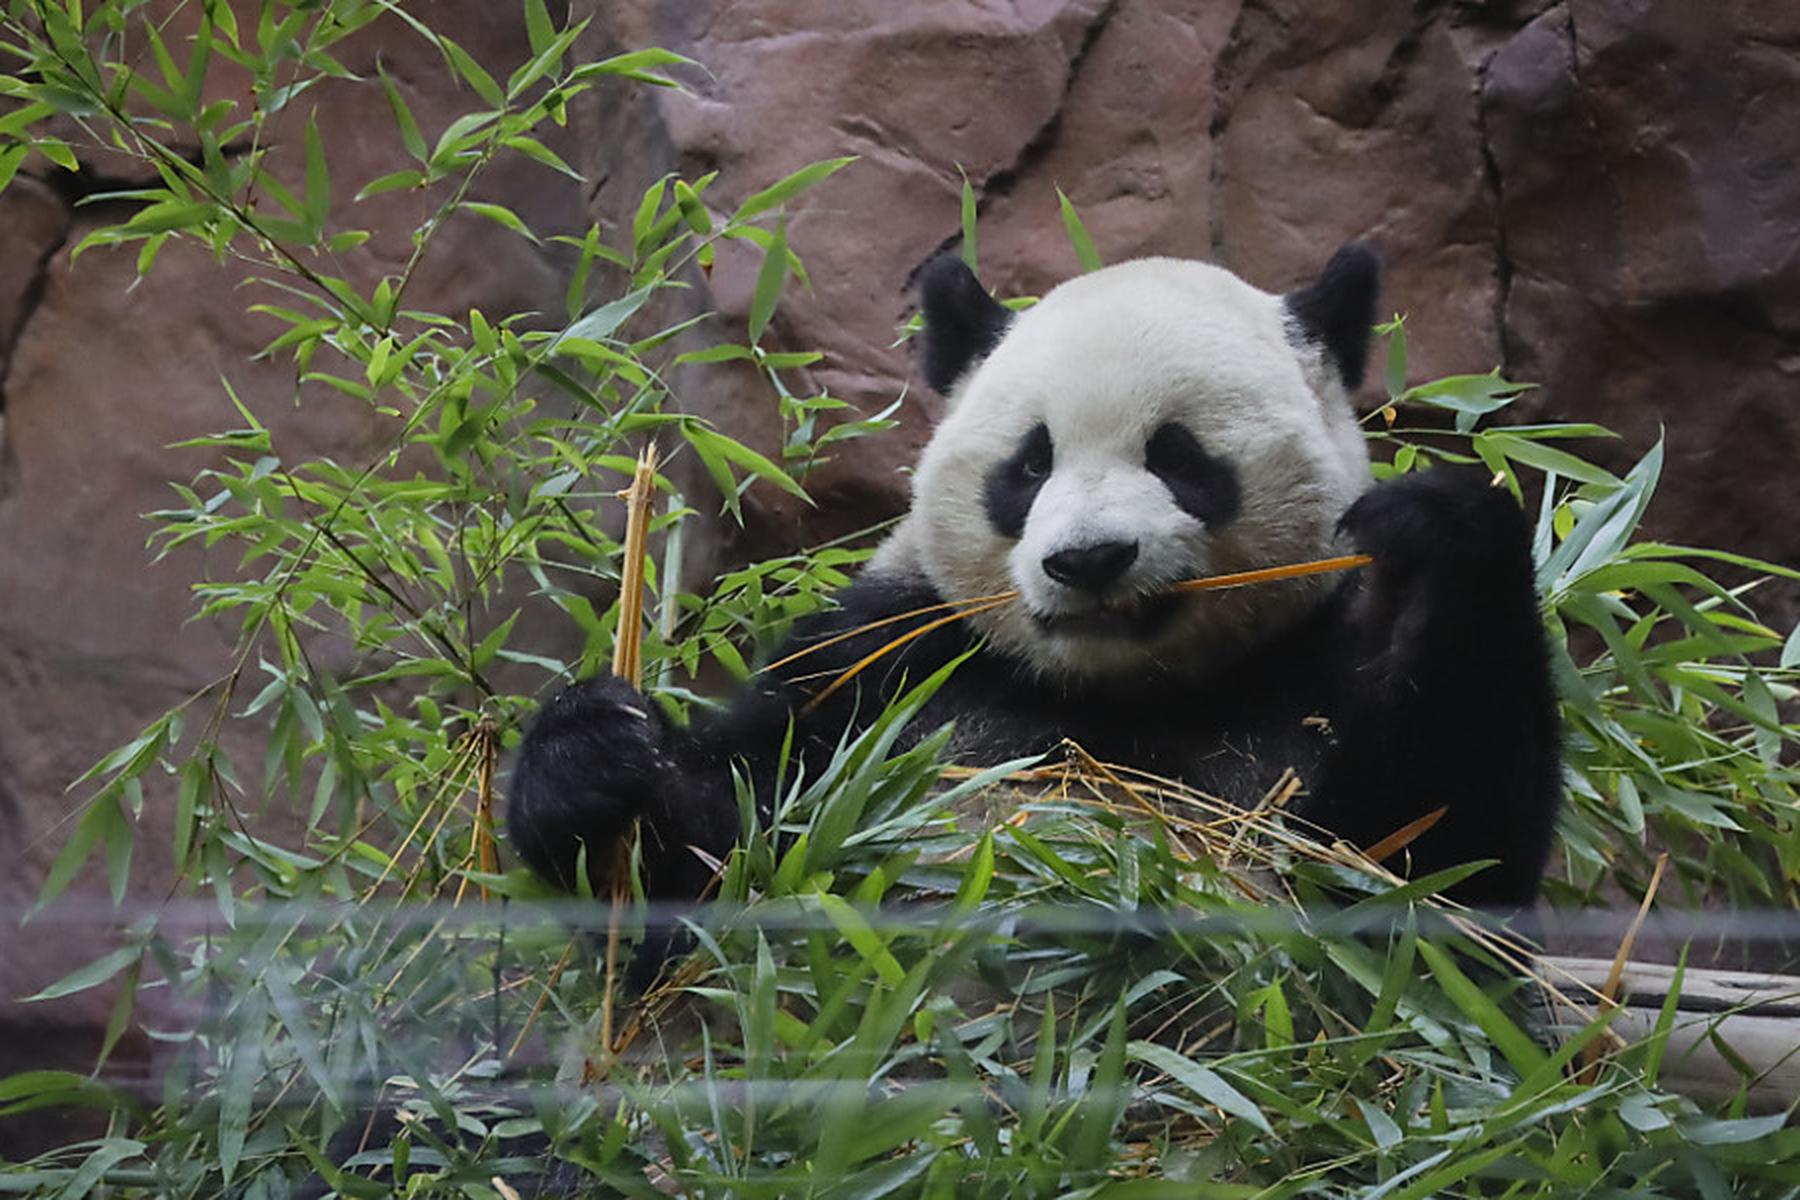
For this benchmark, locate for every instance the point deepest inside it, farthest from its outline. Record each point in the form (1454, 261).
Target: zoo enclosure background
(1597, 196)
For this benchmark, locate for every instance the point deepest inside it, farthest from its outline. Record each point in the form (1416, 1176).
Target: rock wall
(1595, 195)
(1598, 195)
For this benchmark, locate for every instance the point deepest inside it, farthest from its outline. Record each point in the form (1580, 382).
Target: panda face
(1148, 423)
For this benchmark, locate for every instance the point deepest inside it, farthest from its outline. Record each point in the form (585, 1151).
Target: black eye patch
(1013, 484)
(1205, 487)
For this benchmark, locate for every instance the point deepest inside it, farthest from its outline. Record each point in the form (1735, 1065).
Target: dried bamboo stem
(482, 854)
(627, 664)
(1323, 566)
(628, 639)
(958, 609)
(869, 660)
(1592, 1053)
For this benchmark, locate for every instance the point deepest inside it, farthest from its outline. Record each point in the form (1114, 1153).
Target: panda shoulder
(889, 597)
(889, 586)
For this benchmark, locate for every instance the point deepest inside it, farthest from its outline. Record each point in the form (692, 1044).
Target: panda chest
(1234, 739)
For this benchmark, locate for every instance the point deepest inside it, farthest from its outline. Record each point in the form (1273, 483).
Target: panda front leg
(1446, 698)
(600, 756)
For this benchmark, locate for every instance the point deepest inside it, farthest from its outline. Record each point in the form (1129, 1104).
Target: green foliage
(1672, 686)
(504, 441)
(914, 986)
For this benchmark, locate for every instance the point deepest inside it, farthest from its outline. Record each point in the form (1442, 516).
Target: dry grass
(956, 610)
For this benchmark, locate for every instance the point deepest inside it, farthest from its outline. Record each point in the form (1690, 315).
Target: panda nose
(1091, 568)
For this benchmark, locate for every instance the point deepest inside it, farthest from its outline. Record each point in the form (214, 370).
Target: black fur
(963, 323)
(1012, 486)
(1429, 669)
(1205, 487)
(1337, 309)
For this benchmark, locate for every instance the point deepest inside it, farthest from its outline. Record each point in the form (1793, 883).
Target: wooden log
(1720, 1016)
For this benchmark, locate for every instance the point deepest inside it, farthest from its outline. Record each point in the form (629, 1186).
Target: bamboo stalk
(627, 664)
(628, 639)
(974, 602)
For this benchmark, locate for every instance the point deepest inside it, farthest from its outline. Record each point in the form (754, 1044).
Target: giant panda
(1147, 423)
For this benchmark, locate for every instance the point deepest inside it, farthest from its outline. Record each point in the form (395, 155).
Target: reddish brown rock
(1367, 128)
(34, 225)
(1597, 196)
(1651, 222)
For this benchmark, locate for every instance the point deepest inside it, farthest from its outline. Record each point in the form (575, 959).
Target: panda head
(1151, 422)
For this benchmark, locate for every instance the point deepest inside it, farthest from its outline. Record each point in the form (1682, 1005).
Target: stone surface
(1595, 195)
(1651, 222)
(1598, 195)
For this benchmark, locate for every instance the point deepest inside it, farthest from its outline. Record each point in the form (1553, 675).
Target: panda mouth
(1134, 617)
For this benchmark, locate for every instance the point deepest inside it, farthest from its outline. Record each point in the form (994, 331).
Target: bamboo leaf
(500, 215)
(10, 158)
(124, 1004)
(1085, 254)
(605, 320)
(1204, 1082)
(1098, 1112)
(649, 204)
(788, 187)
(1657, 1044)
(535, 150)
(539, 28)
(410, 137)
(458, 136)
(75, 851)
(717, 447)
(769, 281)
(968, 222)
(91, 975)
(193, 81)
(546, 60)
(238, 1085)
(1546, 458)
(473, 73)
(636, 64)
(862, 938)
(1520, 1051)
(107, 1154)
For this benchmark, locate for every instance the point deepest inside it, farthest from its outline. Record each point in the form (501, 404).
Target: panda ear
(1335, 311)
(963, 323)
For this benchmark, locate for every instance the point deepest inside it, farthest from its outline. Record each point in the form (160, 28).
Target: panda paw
(594, 760)
(1444, 525)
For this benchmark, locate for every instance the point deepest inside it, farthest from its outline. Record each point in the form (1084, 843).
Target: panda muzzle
(1135, 615)
(1091, 568)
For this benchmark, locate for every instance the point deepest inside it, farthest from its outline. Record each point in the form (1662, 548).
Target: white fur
(1103, 360)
